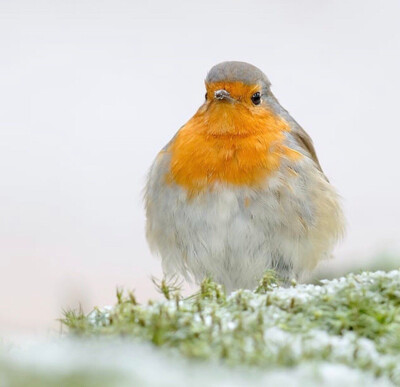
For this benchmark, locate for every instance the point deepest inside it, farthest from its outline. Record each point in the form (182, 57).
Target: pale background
(91, 90)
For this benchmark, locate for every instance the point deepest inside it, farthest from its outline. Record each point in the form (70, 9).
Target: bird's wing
(298, 133)
(305, 141)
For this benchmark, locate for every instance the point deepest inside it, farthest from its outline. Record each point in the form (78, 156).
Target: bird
(239, 189)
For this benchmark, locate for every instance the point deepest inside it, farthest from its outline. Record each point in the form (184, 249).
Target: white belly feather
(234, 234)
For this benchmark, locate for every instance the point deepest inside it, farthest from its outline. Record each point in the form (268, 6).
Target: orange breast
(228, 143)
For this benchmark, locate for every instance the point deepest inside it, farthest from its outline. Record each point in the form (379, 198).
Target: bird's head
(235, 100)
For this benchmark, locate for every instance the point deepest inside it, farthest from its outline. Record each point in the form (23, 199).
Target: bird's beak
(222, 95)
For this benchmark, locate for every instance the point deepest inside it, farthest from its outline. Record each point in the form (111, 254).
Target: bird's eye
(206, 96)
(256, 98)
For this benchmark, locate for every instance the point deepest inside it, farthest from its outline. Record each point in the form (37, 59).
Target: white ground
(133, 364)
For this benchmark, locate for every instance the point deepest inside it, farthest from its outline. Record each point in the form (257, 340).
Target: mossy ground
(354, 321)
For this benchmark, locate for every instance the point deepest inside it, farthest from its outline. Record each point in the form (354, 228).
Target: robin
(239, 189)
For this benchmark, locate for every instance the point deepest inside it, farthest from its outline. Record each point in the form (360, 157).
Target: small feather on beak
(222, 94)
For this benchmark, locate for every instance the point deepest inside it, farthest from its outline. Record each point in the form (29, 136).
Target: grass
(354, 321)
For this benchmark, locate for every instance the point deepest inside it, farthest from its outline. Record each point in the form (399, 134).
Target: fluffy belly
(232, 234)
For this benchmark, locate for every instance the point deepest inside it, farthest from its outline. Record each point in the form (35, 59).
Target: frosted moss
(354, 321)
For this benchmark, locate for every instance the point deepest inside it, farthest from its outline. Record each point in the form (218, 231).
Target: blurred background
(91, 90)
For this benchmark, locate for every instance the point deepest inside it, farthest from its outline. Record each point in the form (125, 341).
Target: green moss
(354, 320)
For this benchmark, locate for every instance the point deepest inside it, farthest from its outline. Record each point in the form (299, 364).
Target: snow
(130, 363)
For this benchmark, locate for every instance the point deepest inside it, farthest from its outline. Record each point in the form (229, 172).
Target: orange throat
(228, 142)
